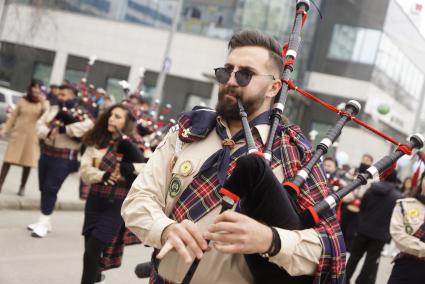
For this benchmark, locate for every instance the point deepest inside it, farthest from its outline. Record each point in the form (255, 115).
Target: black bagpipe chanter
(263, 198)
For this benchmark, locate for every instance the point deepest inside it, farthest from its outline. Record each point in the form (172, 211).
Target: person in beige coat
(23, 148)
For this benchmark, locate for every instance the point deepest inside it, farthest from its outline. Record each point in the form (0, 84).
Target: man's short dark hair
(68, 87)
(332, 160)
(139, 99)
(367, 155)
(256, 38)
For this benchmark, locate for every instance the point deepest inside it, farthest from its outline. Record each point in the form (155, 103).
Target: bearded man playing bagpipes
(176, 204)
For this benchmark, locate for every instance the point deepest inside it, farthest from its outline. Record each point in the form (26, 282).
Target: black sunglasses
(243, 76)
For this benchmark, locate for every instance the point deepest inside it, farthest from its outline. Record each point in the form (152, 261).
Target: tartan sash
(116, 192)
(420, 233)
(120, 190)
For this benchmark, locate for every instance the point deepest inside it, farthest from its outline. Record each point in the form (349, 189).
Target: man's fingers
(181, 249)
(189, 240)
(164, 250)
(197, 235)
(224, 227)
(228, 216)
(174, 242)
(222, 237)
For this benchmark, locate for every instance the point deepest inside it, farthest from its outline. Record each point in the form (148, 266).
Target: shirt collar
(261, 129)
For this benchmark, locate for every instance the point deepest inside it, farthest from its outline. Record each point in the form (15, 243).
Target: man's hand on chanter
(179, 235)
(233, 232)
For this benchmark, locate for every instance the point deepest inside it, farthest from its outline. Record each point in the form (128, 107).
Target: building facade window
(113, 88)
(42, 72)
(354, 44)
(399, 68)
(193, 100)
(73, 76)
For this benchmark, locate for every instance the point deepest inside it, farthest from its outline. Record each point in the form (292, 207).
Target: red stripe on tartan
(118, 193)
(61, 153)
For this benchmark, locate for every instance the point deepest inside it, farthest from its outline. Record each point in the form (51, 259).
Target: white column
(59, 65)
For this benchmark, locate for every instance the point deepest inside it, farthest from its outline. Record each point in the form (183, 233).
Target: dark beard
(229, 110)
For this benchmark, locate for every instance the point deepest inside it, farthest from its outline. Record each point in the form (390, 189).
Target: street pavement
(58, 257)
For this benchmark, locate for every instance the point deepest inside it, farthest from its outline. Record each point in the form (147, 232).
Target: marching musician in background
(335, 182)
(408, 232)
(52, 95)
(109, 165)
(351, 204)
(173, 205)
(373, 228)
(60, 129)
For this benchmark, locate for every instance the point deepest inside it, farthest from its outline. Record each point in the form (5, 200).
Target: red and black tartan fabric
(84, 190)
(420, 233)
(62, 153)
(112, 254)
(117, 192)
(290, 150)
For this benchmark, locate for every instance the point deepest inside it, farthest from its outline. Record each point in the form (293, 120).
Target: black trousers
(348, 224)
(372, 248)
(52, 172)
(408, 270)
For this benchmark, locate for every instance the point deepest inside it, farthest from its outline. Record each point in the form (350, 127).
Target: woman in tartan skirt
(109, 165)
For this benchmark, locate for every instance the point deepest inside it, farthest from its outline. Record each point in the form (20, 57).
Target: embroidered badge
(175, 185)
(186, 168)
(186, 133)
(413, 213)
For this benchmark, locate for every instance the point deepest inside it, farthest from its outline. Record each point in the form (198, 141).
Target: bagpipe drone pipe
(264, 198)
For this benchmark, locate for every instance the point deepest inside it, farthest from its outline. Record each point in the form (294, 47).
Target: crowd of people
(141, 185)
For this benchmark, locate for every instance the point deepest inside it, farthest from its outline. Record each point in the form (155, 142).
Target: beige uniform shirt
(414, 216)
(149, 203)
(63, 140)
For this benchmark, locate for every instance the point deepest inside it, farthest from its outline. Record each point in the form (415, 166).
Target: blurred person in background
(52, 95)
(109, 180)
(373, 228)
(23, 147)
(60, 129)
(408, 232)
(335, 182)
(351, 204)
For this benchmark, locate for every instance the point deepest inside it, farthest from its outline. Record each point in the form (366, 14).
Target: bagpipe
(86, 91)
(151, 122)
(66, 116)
(127, 153)
(262, 197)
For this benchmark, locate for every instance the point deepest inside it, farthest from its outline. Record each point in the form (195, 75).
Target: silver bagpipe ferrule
(311, 216)
(352, 108)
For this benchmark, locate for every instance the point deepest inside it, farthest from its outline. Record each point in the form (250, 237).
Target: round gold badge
(175, 185)
(413, 213)
(186, 168)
